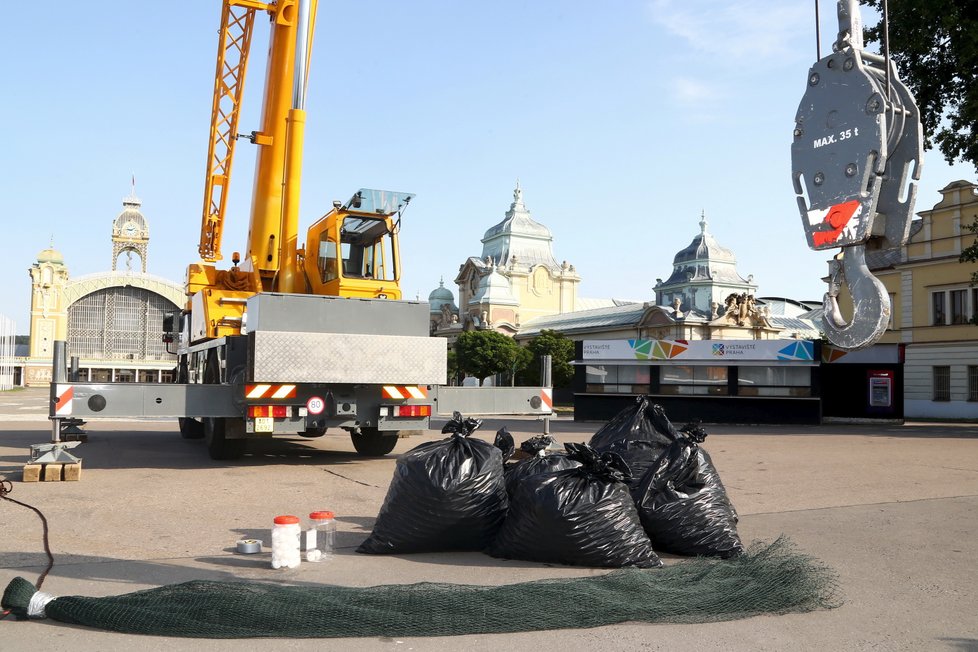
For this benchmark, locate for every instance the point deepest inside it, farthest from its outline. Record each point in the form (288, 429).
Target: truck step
(52, 472)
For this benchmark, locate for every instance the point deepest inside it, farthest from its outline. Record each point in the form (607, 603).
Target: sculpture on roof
(741, 309)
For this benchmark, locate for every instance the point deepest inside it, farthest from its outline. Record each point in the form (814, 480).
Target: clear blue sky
(623, 121)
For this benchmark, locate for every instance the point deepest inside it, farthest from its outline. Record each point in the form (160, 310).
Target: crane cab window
(366, 249)
(327, 259)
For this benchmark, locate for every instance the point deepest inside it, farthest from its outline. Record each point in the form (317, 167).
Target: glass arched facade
(119, 323)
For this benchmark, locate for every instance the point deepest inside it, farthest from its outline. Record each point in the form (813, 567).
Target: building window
(954, 306)
(693, 380)
(959, 306)
(942, 383)
(972, 383)
(937, 308)
(774, 381)
(613, 379)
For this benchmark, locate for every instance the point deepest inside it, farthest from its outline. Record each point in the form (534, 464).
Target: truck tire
(373, 443)
(218, 444)
(313, 432)
(190, 428)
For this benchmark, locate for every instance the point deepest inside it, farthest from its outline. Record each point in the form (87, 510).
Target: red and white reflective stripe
(62, 404)
(269, 391)
(404, 391)
(546, 395)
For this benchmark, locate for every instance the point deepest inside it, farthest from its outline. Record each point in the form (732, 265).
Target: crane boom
(237, 24)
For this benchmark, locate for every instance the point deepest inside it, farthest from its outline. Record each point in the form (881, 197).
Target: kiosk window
(774, 381)
(613, 379)
(693, 380)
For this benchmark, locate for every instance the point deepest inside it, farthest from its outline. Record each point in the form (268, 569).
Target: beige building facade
(934, 307)
(516, 279)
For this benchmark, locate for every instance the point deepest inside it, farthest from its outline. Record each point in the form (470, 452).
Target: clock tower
(130, 233)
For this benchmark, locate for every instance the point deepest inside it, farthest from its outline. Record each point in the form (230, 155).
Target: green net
(768, 579)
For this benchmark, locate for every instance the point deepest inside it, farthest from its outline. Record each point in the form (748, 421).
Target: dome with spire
(441, 296)
(704, 247)
(704, 259)
(494, 289)
(703, 273)
(130, 222)
(519, 239)
(50, 255)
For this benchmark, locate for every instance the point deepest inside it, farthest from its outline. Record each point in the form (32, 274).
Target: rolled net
(769, 578)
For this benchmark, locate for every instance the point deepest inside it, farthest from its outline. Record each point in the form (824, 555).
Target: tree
(487, 353)
(933, 43)
(970, 255)
(455, 372)
(561, 352)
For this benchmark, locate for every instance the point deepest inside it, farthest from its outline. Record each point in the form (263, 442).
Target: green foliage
(561, 352)
(487, 353)
(970, 255)
(455, 372)
(933, 43)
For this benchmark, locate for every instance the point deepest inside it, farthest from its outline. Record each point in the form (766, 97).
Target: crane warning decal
(269, 391)
(404, 391)
(832, 222)
(62, 402)
(546, 395)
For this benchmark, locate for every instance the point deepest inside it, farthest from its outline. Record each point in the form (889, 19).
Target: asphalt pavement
(892, 508)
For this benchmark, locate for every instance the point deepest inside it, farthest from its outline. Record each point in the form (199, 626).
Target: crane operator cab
(352, 251)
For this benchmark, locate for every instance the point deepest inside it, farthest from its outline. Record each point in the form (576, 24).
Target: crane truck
(292, 338)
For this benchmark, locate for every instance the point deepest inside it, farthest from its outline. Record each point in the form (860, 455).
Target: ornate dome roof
(441, 296)
(494, 288)
(704, 247)
(519, 238)
(50, 255)
(131, 213)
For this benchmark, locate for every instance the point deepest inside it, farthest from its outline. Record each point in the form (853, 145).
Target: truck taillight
(277, 411)
(412, 411)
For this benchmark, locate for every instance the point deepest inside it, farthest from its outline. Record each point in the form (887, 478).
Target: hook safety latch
(856, 156)
(870, 300)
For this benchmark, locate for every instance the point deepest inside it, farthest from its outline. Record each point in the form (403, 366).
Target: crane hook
(870, 301)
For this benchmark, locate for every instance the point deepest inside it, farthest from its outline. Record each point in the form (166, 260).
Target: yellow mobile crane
(351, 251)
(307, 359)
(291, 339)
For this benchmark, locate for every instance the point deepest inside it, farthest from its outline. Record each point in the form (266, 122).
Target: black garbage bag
(505, 443)
(534, 445)
(683, 505)
(445, 495)
(640, 456)
(582, 517)
(539, 463)
(643, 421)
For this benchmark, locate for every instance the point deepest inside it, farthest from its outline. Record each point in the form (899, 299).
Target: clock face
(129, 229)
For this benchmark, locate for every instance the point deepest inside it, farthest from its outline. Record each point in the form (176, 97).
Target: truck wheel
(190, 428)
(373, 443)
(218, 445)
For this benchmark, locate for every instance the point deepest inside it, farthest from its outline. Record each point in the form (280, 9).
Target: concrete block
(72, 472)
(52, 472)
(32, 472)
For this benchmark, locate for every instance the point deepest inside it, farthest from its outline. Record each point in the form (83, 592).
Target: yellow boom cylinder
(289, 273)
